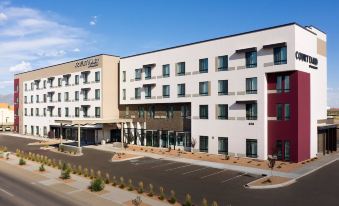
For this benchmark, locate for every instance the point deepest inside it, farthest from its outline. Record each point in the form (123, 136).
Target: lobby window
(251, 148)
(166, 70)
(222, 111)
(180, 68)
(97, 76)
(203, 143)
(203, 111)
(76, 79)
(59, 112)
(170, 112)
(77, 112)
(59, 97)
(141, 112)
(166, 91)
(97, 94)
(223, 145)
(124, 76)
(148, 72)
(66, 96)
(138, 74)
(222, 63)
(181, 90)
(203, 65)
(280, 55)
(151, 111)
(222, 87)
(76, 95)
(251, 59)
(203, 88)
(66, 112)
(97, 112)
(59, 82)
(279, 111)
(137, 93)
(251, 111)
(148, 91)
(287, 112)
(123, 94)
(251, 85)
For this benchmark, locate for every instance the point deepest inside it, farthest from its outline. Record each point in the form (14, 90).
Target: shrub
(137, 201)
(85, 172)
(79, 170)
(122, 184)
(17, 152)
(107, 181)
(49, 162)
(97, 185)
(98, 174)
(130, 185)
(151, 190)
(65, 172)
(92, 174)
(214, 203)
(59, 164)
(74, 169)
(22, 161)
(42, 168)
(141, 187)
(162, 193)
(172, 199)
(188, 201)
(114, 181)
(204, 202)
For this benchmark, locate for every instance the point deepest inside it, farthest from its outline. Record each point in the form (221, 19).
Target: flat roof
(64, 63)
(222, 37)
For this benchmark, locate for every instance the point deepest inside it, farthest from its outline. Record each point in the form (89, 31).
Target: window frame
(203, 65)
(248, 56)
(203, 111)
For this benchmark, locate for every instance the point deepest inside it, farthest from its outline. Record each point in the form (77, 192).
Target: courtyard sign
(306, 58)
(89, 63)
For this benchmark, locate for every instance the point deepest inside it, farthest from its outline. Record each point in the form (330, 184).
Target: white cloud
(21, 67)
(76, 50)
(93, 22)
(3, 17)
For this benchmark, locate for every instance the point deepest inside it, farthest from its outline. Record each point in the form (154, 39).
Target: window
(251, 111)
(45, 131)
(286, 83)
(67, 80)
(44, 112)
(287, 112)
(223, 87)
(76, 79)
(32, 86)
(223, 145)
(203, 143)
(25, 99)
(203, 65)
(251, 59)
(279, 149)
(203, 88)
(165, 91)
(279, 111)
(59, 82)
(148, 91)
(151, 111)
(97, 112)
(25, 111)
(148, 72)
(25, 87)
(66, 96)
(85, 95)
(37, 98)
(141, 112)
(203, 111)
(31, 98)
(127, 111)
(280, 55)
(124, 76)
(37, 112)
(45, 98)
(137, 74)
(180, 68)
(51, 82)
(170, 112)
(85, 111)
(287, 151)
(59, 112)
(222, 63)
(76, 95)
(279, 84)
(59, 97)
(185, 111)
(222, 111)
(77, 112)
(97, 94)
(181, 90)
(66, 111)
(251, 148)
(166, 70)
(97, 76)
(85, 77)
(251, 85)
(44, 84)
(37, 130)
(123, 94)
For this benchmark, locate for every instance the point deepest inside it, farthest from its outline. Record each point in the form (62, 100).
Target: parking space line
(6, 192)
(213, 174)
(203, 168)
(232, 178)
(164, 164)
(177, 168)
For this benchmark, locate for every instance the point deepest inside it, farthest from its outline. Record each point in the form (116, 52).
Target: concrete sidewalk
(77, 186)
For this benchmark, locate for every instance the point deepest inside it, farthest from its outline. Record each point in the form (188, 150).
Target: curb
(131, 158)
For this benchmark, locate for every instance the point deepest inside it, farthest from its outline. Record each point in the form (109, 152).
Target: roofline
(222, 37)
(317, 28)
(16, 74)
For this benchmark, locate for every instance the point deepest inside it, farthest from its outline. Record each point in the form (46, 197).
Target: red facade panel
(16, 105)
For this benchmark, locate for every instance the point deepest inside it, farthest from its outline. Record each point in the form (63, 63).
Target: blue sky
(37, 33)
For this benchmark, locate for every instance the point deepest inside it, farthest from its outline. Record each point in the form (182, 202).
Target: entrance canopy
(91, 121)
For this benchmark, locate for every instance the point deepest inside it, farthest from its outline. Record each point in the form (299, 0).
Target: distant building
(6, 116)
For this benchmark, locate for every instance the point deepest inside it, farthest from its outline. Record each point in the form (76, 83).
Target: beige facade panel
(321, 47)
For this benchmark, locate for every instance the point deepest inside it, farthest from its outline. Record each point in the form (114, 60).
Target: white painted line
(6, 192)
(177, 168)
(164, 164)
(232, 178)
(203, 168)
(212, 174)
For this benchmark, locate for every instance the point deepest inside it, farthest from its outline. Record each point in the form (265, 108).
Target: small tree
(98, 174)
(151, 190)
(85, 172)
(188, 200)
(79, 170)
(107, 180)
(130, 185)
(172, 199)
(22, 161)
(42, 168)
(114, 181)
(122, 183)
(162, 193)
(214, 203)
(204, 202)
(92, 174)
(65, 172)
(141, 187)
(271, 162)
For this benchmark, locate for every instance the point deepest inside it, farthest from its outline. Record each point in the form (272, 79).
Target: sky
(37, 33)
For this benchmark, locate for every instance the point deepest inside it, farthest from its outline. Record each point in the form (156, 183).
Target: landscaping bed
(271, 180)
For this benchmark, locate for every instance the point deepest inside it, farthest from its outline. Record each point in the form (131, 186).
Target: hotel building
(250, 94)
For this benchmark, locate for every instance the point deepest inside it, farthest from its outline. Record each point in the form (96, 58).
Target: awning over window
(270, 46)
(51, 78)
(66, 75)
(246, 50)
(246, 101)
(149, 65)
(86, 89)
(148, 84)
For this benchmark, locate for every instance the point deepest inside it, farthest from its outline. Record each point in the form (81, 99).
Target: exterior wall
(16, 104)
(6, 114)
